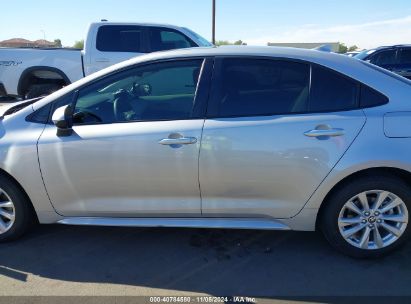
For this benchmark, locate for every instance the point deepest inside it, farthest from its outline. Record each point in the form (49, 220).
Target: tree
(342, 48)
(222, 42)
(226, 42)
(57, 43)
(240, 42)
(79, 44)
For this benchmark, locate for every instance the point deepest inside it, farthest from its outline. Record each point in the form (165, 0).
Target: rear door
(116, 43)
(275, 129)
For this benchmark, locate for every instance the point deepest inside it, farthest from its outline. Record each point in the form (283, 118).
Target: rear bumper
(2, 90)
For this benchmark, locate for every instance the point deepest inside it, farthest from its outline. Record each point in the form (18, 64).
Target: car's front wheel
(16, 213)
(368, 217)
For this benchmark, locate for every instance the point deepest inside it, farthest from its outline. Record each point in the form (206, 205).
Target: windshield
(364, 54)
(201, 40)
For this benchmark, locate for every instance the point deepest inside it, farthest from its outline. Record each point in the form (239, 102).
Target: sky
(365, 23)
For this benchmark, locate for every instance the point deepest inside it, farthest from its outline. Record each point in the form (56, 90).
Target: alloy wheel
(7, 212)
(373, 219)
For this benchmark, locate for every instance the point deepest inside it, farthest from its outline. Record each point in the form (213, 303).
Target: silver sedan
(229, 137)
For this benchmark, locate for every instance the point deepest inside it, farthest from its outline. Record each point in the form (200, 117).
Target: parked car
(29, 73)
(352, 54)
(395, 58)
(229, 137)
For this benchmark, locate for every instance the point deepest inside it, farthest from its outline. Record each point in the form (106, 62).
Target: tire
(24, 215)
(337, 216)
(41, 90)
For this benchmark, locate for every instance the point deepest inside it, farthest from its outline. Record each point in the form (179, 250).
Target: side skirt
(222, 223)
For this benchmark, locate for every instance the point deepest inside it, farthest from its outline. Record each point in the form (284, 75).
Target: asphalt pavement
(68, 260)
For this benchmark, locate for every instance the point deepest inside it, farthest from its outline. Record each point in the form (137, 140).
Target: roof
(135, 23)
(258, 51)
(354, 68)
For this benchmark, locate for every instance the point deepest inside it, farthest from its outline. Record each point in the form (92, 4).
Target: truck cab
(108, 43)
(29, 73)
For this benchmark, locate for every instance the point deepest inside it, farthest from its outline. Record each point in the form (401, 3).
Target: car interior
(150, 96)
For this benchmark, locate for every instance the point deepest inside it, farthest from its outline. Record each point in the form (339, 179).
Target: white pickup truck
(28, 73)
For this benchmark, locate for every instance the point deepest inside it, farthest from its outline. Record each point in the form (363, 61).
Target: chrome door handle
(327, 132)
(178, 141)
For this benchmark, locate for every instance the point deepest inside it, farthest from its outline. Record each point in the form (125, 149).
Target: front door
(135, 145)
(276, 128)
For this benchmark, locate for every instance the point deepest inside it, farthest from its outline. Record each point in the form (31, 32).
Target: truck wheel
(16, 212)
(38, 90)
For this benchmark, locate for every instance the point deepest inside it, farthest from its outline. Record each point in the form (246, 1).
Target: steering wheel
(84, 113)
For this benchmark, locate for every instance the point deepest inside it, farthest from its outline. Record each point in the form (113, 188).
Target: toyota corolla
(230, 137)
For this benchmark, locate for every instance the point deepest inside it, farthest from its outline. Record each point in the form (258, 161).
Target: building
(24, 43)
(310, 45)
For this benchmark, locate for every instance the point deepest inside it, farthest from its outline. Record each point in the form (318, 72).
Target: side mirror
(63, 120)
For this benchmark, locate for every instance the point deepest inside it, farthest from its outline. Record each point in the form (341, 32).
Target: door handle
(325, 132)
(102, 60)
(178, 141)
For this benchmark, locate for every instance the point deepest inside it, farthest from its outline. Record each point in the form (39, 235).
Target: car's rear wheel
(16, 214)
(368, 217)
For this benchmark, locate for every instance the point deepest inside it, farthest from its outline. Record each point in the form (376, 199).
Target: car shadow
(216, 262)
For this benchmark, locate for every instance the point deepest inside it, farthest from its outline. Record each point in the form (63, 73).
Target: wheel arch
(402, 174)
(27, 75)
(11, 178)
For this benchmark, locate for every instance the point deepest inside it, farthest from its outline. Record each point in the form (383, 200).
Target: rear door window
(382, 58)
(331, 91)
(255, 87)
(120, 38)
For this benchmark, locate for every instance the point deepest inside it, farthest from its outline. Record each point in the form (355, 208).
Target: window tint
(120, 38)
(160, 91)
(43, 115)
(331, 91)
(162, 39)
(405, 56)
(250, 87)
(384, 57)
(371, 98)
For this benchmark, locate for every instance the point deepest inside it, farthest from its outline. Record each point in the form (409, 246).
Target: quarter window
(371, 98)
(162, 39)
(120, 38)
(160, 91)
